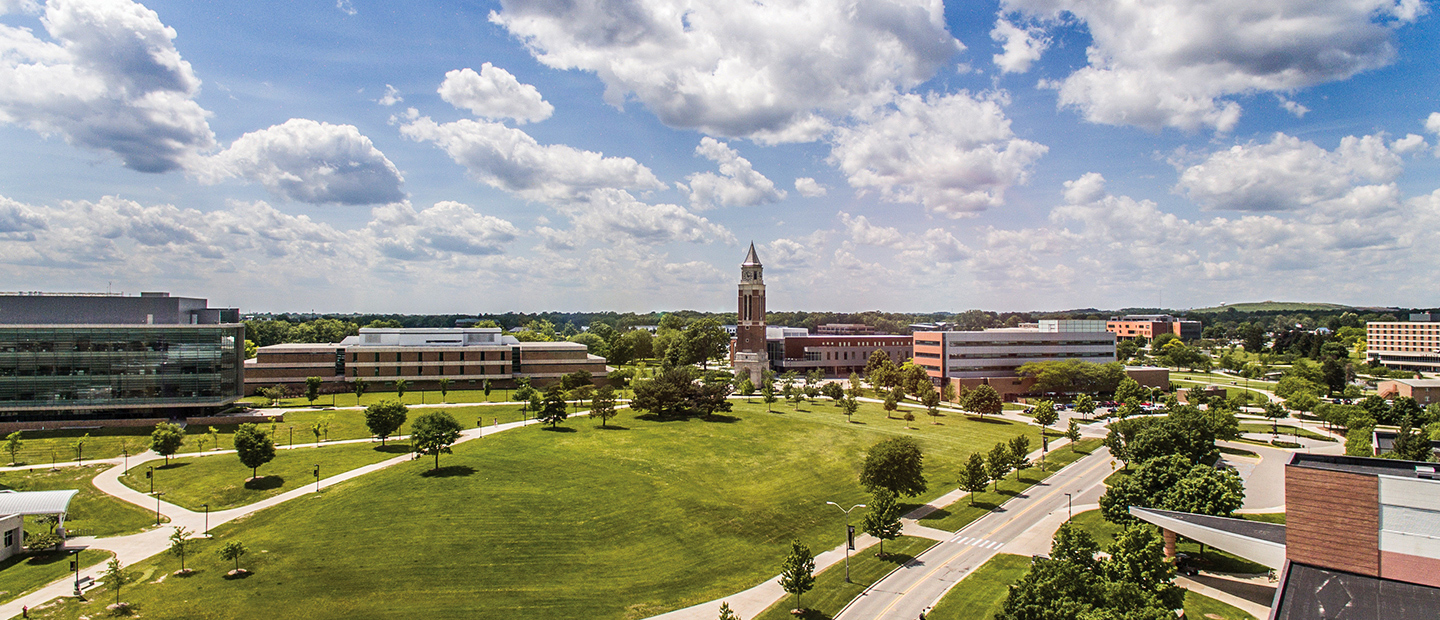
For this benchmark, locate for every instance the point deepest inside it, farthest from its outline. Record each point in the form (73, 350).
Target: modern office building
(1405, 345)
(993, 356)
(466, 357)
(1361, 539)
(1151, 325)
(791, 348)
(845, 329)
(67, 356)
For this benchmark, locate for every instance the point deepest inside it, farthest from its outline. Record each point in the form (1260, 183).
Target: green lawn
(1260, 427)
(1205, 608)
(979, 595)
(1273, 517)
(92, 513)
(412, 397)
(22, 573)
(831, 593)
(965, 511)
(642, 518)
(220, 480)
(1212, 559)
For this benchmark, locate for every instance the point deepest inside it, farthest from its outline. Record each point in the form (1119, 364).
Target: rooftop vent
(1427, 472)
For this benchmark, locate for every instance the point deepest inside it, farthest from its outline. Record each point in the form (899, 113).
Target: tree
(603, 406)
(385, 417)
(982, 399)
(947, 393)
(767, 394)
(1075, 545)
(312, 388)
(746, 387)
(115, 577)
(849, 405)
(1073, 432)
(834, 392)
(214, 437)
(883, 519)
(180, 542)
(1129, 391)
(908, 417)
(1045, 415)
(1275, 412)
(797, 574)
(854, 385)
(13, 444)
(444, 383)
(434, 433)
(875, 363)
(79, 446)
(1138, 557)
(891, 404)
(484, 386)
(896, 464)
(359, 386)
(552, 412)
(400, 386)
(254, 447)
(998, 463)
(166, 439)
(1019, 453)
(726, 613)
(1358, 441)
(233, 551)
(973, 476)
(1207, 491)
(1411, 444)
(931, 399)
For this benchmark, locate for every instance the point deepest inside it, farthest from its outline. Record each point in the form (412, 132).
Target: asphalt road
(920, 584)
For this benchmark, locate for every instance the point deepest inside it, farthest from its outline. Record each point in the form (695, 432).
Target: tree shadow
(240, 574)
(988, 420)
(174, 465)
(854, 421)
(558, 429)
(264, 483)
(939, 513)
(612, 427)
(812, 614)
(720, 418)
(393, 448)
(897, 559)
(449, 471)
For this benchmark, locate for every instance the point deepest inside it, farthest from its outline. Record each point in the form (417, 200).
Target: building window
(9, 538)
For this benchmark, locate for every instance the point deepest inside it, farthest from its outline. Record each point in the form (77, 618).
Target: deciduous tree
(883, 519)
(998, 463)
(312, 389)
(180, 543)
(233, 551)
(982, 399)
(973, 476)
(115, 577)
(896, 464)
(435, 431)
(603, 406)
(254, 447)
(385, 417)
(797, 574)
(166, 440)
(13, 445)
(553, 410)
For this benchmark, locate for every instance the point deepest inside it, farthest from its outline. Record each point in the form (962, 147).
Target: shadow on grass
(241, 574)
(174, 465)
(894, 558)
(558, 429)
(854, 421)
(449, 471)
(720, 418)
(939, 513)
(34, 559)
(393, 448)
(265, 483)
(612, 427)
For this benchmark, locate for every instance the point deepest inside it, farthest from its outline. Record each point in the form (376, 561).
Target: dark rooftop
(1270, 532)
(1362, 465)
(1308, 592)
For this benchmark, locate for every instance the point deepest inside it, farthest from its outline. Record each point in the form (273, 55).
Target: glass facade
(127, 371)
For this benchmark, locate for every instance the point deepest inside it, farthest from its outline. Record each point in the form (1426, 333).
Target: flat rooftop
(1361, 465)
(1270, 532)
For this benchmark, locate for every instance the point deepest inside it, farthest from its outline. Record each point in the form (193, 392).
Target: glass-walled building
(142, 369)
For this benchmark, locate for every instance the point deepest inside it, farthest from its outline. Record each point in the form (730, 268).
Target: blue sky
(905, 155)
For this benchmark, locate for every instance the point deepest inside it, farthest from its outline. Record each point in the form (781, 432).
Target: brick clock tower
(750, 352)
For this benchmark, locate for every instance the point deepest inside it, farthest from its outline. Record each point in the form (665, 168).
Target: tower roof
(751, 258)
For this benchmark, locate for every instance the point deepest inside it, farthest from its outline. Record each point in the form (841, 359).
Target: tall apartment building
(1152, 325)
(993, 356)
(466, 357)
(1405, 345)
(67, 356)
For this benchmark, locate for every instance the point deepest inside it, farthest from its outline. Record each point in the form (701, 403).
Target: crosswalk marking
(977, 542)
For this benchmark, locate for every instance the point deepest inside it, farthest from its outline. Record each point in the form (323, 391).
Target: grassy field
(1272, 517)
(1255, 427)
(220, 480)
(92, 513)
(962, 513)
(979, 595)
(1274, 306)
(642, 518)
(831, 593)
(1206, 608)
(20, 574)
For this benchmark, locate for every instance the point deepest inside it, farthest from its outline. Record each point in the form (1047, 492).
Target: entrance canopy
(36, 502)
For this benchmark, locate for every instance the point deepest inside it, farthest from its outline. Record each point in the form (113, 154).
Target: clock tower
(750, 352)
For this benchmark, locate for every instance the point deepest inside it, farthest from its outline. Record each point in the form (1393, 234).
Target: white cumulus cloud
(954, 153)
(771, 71)
(108, 78)
(738, 184)
(1020, 47)
(445, 229)
(391, 97)
(612, 214)
(809, 187)
(309, 161)
(1173, 63)
(863, 232)
(1288, 173)
(494, 93)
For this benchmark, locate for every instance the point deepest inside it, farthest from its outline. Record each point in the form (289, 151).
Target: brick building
(1151, 325)
(993, 356)
(1405, 345)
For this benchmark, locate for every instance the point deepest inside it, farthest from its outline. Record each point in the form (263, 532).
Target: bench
(86, 583)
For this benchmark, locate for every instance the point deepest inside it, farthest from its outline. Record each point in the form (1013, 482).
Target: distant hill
(1274, 306)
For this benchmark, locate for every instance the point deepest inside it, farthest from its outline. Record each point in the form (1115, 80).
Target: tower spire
(751, 258)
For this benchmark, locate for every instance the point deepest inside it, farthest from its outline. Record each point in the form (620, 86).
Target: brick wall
(1333, 519)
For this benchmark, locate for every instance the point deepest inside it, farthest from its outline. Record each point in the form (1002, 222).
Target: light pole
(317, 477)
(1069, 512)
(207, 519)
(849, 538)
(157, 507)
(150, 475)
(75, 564)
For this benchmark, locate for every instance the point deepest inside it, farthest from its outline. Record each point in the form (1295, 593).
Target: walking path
(136, 547)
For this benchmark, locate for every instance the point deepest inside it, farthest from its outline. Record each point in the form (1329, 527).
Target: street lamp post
(157, 506)
(848, 538)
(151, 476)
(207, 519)
(75, 564)
(1069, 511)
(317, 477)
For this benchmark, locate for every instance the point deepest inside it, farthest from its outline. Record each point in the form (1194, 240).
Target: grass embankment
(221, 480)
(980, 594)
(91, 512)
(831, 593)
(645, 517)
(969, 509)
(1269, 517)
(23, 573)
